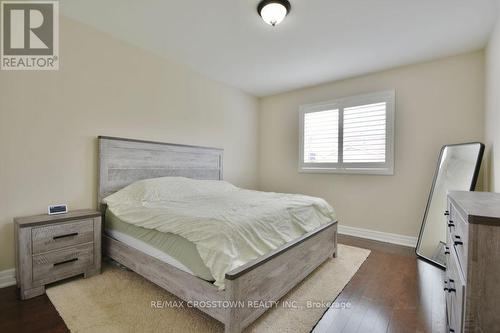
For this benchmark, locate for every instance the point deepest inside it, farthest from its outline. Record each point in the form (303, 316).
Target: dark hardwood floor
(34, 315)
(393, 291)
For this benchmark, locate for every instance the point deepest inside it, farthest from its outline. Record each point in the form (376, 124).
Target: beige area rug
(120, 301)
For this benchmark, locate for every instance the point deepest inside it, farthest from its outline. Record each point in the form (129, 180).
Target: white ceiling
(320, 41)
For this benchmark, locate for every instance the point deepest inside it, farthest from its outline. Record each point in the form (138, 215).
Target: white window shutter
(365, 133)
(321, 136)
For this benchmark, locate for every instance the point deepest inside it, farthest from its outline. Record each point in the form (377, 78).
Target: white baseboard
(378, 235)
(7, 278)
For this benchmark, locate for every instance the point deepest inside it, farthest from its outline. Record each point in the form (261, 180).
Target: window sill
(354, 171)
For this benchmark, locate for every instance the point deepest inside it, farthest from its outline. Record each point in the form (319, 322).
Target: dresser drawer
(57, 236)
(455, 289)
(60, 264)
(449, 310)
(459, 232)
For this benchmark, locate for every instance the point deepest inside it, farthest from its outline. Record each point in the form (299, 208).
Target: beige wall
(492, 119)
(49, 122)
(437, 103)
(107, 87)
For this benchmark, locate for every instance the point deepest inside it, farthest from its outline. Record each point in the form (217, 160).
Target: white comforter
(230, 226)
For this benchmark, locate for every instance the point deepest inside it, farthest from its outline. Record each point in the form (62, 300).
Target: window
(348, 135)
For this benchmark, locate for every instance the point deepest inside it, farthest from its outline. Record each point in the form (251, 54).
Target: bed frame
(267, 278)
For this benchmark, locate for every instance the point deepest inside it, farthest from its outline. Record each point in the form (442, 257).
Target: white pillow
(167, 189)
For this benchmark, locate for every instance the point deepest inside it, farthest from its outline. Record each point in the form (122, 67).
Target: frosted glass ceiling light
(273, 11)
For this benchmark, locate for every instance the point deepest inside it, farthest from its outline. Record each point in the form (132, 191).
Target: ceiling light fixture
(273, 11)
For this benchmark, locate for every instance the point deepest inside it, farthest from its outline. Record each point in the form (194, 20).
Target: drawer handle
(65, 262)
(446, 250)
(451, 224)
(64, 236)
(446, 213)
(451, 289)
(458, 241)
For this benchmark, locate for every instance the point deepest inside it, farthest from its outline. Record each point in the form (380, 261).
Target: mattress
(170, 248)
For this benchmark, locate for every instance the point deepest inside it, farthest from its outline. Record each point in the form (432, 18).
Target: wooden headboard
(124, 161)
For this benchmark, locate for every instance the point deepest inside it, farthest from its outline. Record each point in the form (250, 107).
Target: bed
(267, 278)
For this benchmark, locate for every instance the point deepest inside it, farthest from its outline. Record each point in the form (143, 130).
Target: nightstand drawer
(60, 264)
(57, 236)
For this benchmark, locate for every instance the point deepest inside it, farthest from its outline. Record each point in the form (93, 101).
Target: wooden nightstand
(54, 247)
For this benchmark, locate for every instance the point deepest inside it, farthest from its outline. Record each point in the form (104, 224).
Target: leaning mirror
(457, 170)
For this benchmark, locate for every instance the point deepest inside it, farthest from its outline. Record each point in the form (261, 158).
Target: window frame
(374, 168)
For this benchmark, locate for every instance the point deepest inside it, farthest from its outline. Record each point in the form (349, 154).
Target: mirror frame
(472, 188)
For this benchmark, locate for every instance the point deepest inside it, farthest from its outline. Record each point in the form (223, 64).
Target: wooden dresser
(472, 282)
(50, 248)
